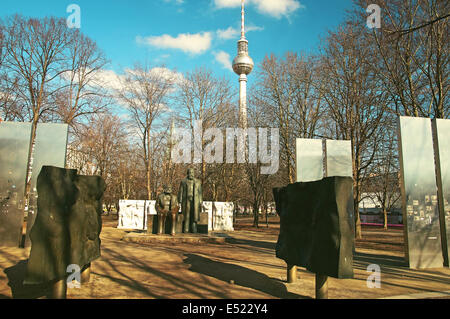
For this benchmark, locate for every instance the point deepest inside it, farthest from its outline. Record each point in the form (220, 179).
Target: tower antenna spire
(242, 20)
(242, 66)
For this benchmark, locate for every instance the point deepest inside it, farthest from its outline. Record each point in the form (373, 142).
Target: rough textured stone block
(85, 221)
(67, 226)
(317, 226)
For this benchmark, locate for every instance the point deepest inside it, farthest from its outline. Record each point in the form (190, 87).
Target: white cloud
(251, 28)
(196, 43)
(232, 33)
(223, 58)
(273, 8)
(113, 81)
(227, 34)
(167, 73)
(108, 79)
(227, 3)
(174, 1)
(277, 8)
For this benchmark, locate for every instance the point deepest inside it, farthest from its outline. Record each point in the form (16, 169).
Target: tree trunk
(256, 214)
(385, 219)
(30, 159)
(28, 177)
(356, 189)
(358, 232)
(149, 165)
(267, 217)
(149, 188)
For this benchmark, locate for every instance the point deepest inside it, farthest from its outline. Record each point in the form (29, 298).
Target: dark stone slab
(67, 226)
(202, 226)
(85, 221)
(317, 226)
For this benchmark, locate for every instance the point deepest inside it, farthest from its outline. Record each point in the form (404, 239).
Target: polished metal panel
(441, 132)
(309, 159)
(14, 146)
(50, 150)
(419, 195)
(338, 158)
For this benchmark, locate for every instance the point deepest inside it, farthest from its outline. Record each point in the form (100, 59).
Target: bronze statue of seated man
(166, 206)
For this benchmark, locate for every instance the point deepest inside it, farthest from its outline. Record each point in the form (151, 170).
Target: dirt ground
(244, 266)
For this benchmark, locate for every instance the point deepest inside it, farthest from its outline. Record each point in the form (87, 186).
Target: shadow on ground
(240, 275)
(16, 275)
(382, 260)
(397, 267)
(253, 243)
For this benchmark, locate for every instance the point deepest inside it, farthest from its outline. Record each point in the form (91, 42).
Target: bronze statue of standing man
(166, 205)
(190, 197)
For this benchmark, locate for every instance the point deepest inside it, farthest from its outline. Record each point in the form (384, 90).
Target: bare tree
(414, 49)
(102, 147)
(145, 93)
(354, 100)
(286, 93)
(2, 51)
(203, 97)
(83, 93)
(383, 181)
(39, 54)
(102, 140)
(35, 61)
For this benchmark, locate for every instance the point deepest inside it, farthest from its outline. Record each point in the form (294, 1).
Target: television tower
(242, 66)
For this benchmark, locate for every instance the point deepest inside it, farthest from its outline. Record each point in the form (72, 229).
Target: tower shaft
(243, 101)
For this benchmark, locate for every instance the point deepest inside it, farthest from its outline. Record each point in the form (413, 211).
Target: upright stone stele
(67, 227)
(317, 228)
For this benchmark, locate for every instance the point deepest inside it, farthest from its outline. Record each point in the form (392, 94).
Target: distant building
(370, 210)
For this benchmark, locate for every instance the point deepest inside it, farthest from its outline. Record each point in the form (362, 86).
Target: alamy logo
(252, 145)
(73, 20)
(374, 279)
(374, 19)
(74, 278)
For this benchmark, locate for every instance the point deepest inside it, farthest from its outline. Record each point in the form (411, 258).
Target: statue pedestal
(143, 238)
(202, 226)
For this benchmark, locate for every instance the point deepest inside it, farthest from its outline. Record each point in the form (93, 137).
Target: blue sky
(184, 34)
